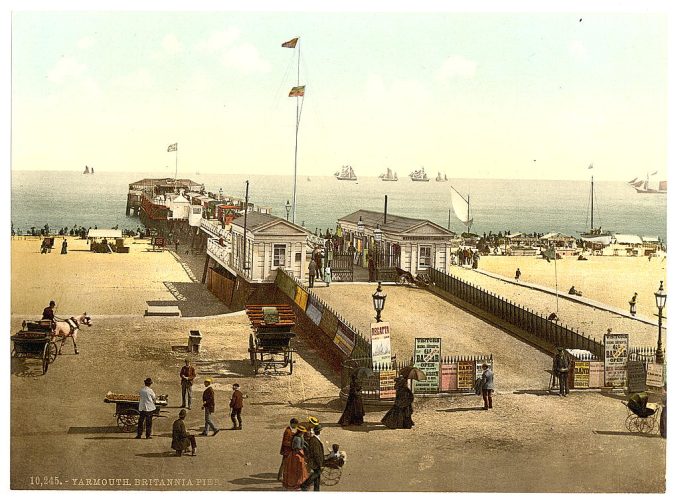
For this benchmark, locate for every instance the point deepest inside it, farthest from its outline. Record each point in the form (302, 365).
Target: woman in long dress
(354, 409)
(399, 415)
(295, 472)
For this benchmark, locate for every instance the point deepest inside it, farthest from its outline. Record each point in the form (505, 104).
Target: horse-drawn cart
(269, 343)
(36, 341)
(127, 409)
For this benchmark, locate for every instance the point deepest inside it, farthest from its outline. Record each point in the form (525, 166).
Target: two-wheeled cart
(269, 343)
(35, 341)
(127, 409)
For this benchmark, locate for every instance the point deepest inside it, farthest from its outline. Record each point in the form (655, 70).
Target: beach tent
(625, 239)
(99, 234)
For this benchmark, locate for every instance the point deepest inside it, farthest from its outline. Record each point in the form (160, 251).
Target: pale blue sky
(472, 95)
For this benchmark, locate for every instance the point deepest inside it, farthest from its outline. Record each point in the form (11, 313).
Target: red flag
(297, 91)
(291, 43)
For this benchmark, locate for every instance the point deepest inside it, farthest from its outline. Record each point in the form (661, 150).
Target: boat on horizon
(440, 178)
(346, 173)
(419, 175)
(88, 170)
(388, 176)
(595, 235)
(645, 187)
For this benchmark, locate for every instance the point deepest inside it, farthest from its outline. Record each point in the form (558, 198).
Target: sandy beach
(73, 434)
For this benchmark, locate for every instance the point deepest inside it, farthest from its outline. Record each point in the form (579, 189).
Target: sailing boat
(595, 235)
(87, 170)
(419, 175)
(645, 187)
(346, 173)
(389, 176)
(461, 207)
(440, 178)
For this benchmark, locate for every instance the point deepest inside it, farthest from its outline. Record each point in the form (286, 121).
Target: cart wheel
(14, 352)
(53, 351)
(46, 358)
(330, 476)
(630, 422)
(647, 425)
(402, 280)
(127, 420)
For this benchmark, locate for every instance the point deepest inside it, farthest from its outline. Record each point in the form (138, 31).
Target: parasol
(412, 373)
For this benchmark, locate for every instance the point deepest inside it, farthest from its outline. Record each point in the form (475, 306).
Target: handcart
(127, 409)
(269, 343)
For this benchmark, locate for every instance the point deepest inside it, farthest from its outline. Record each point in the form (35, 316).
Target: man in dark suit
(48, 313)
(314, 456)
(209, 407)
(187, 374)
(236, 405)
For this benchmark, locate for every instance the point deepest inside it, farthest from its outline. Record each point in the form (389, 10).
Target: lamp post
(288, 207)
(378, 302)
(660, 296)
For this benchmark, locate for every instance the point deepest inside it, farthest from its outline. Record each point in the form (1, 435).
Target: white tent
(104, 233)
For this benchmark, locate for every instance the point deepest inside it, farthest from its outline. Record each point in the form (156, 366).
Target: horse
(68, 328)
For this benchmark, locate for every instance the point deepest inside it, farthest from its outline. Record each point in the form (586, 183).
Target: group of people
(466, 257)
(316, 269)
(303, 455)
(181, 439)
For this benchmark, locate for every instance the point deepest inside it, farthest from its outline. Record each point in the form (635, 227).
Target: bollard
(194, 345)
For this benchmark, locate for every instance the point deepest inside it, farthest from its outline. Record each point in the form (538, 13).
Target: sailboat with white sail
(389, 176)
(595, 235)
(461, 208)
(647, 187)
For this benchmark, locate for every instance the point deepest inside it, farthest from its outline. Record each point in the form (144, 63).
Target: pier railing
(549, 333)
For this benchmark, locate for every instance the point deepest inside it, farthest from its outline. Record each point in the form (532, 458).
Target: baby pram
(332, 469)
(641, 418)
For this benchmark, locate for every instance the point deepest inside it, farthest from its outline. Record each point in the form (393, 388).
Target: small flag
(297, 91)
(291, 43)
(172, 147)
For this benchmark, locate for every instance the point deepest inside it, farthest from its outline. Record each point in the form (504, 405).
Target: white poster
(381, 348)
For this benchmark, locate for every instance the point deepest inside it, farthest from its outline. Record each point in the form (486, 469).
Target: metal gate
(342, 267)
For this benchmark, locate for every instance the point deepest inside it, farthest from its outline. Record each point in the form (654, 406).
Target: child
(335, 457)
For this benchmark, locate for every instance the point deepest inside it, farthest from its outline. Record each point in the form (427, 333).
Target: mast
(245, 222)
(468, 213)
(592, 186)
(297, 127)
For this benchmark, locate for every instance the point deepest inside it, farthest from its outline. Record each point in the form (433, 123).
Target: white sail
(461, 207)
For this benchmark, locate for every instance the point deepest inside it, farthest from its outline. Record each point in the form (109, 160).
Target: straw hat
(302, 428)
(207, 380)
(313, 420)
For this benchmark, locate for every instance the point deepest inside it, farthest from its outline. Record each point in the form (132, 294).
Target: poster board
(637, 376)
(581, 374)
(655, 376)
(596, 374)
(344, 338)
(329, 323)
(448, 377)
(314, 310)
(381, 350)
(387, 390)
(427, 357)
(301, 297)
(466, 375)
(615, 359)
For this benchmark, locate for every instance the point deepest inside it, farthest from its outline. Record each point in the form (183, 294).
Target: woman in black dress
(354, 409)
(399, 415)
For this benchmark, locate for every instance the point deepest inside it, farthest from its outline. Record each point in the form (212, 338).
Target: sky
(524, 94)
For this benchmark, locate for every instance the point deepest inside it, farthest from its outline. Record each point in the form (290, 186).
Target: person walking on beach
(64, 247)
(633, 304)
(487, 386)
(187, 375)
(311, 269)
(180, 439)
(518, 274)
(399, 415)
(561, 370)
(354, 409)
(314, 456)
(236, 405)
(295, 473)
(318, 259)
(209, 408)
(286, 445)
(147, 407)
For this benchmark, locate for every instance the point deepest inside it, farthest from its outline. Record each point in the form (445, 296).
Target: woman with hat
(180, 439)
(295, 472)
(354, 409)
(399, 415)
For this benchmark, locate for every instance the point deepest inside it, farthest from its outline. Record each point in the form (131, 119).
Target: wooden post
(205, 268)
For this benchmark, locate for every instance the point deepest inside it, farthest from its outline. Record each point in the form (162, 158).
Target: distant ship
(389, 176)
(419, 176)
(645, 187)
(347, 173)
(440, 179)
(88, 171)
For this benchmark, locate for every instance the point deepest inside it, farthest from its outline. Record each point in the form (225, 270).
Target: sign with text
(615, 359)
(581, 374)
(655, 375)
(314, 310)
(387, 390)
(344, 338)
(596, 377)
(381, 349)
(466, 375)
(637, 376)
(426, 357)
(301, 298)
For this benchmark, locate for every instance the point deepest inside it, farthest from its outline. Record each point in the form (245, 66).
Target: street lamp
(378, 302)
(360, 226)
(660, 296)
(288, 207)
(377, 233)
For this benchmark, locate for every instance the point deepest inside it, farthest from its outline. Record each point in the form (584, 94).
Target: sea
(69, 199)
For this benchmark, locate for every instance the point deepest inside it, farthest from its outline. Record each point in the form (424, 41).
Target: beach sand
(60, 426)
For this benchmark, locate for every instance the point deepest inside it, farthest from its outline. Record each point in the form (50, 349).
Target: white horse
(68, 328)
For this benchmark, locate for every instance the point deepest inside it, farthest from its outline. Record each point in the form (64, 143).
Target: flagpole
(297, 127)
(557, 296)
(175, 166)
